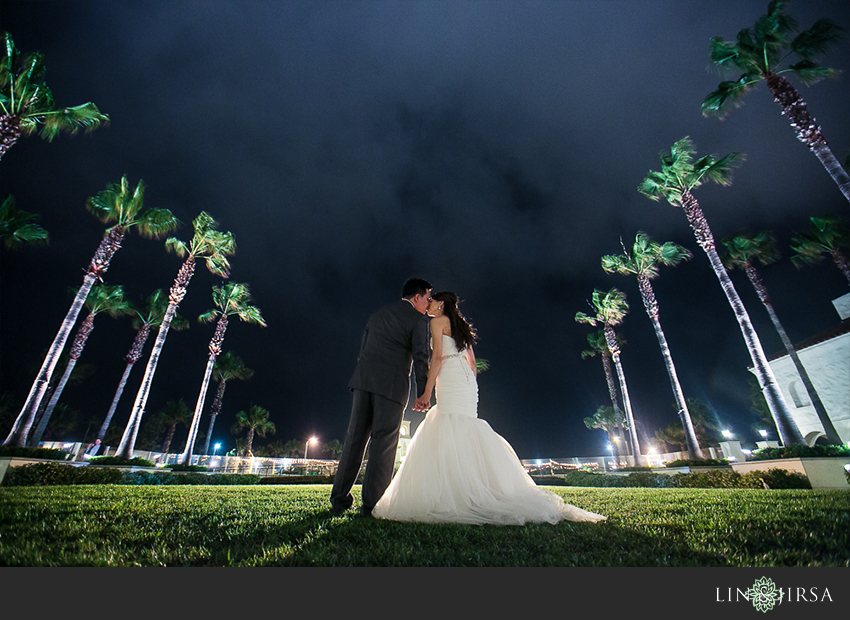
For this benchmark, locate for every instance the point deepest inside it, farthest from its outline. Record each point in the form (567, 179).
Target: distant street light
(763, 433)
(215, 448)
(307, 445)
(726, 433)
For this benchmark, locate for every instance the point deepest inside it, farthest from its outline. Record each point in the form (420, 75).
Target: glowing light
(763, 432)
(726, 433)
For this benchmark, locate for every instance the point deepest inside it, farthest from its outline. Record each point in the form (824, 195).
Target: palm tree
(333, 447)
(213, 246)
(758, 53)
(119, 204)
(26, 103)
(678, 176)
(606, 418)
(230, 299)
(17, 227)
(643, 262)
(742, 251)
(827, 235)
(101, 299)
(599, 347)
(257, 422)
(293, 448)
(150, 316)
(175, 412)
(610, 309)
(227, 367)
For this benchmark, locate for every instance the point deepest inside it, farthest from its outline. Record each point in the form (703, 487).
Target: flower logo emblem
(764, 595)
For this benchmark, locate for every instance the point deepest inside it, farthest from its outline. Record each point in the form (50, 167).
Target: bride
(458, 469)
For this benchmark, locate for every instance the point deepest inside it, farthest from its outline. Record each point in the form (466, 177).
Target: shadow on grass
(351, 540)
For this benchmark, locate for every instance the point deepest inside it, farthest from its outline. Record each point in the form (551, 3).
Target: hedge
(48, 474)
(54, 454)
(712, 479)
(798, 451)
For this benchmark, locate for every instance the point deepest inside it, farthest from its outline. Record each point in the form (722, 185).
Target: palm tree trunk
(216, 408)
(168, 437)
(624, 392)
(651, 305)
(788, 431)
(794, 107)
(10, 131)
(196, 418)
(841, 262)
(215, 351)
(83, 333)
(249, 441)
(97, 267)
(612, 393)
(829, 429)
(132, 357)
(175, 296)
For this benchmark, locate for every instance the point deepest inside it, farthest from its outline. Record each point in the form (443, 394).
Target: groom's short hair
(415, 286)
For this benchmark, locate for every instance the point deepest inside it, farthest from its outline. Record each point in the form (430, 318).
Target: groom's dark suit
(394, 342)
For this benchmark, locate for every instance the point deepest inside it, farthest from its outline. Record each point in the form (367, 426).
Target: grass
(112, 525)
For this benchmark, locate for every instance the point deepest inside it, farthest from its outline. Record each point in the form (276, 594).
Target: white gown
(459, 470)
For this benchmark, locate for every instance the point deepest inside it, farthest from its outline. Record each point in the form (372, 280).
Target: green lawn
(112, 525)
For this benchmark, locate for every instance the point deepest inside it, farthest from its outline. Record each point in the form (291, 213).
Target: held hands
(423, 403)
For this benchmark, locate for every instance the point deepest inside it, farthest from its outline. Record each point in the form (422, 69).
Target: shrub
(305, 480)
(44, 474)
(179, 467)
(136, 461)
(697, 463)
(798, 451)
(35, 453)
(775, 478)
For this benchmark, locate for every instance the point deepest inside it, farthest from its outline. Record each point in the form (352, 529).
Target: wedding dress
(459, 470)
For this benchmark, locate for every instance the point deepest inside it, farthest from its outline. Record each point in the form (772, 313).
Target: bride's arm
(470, 358)
(438, 327)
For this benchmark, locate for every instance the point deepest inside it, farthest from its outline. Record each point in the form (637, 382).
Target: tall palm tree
(642, 262)
(101, 299)
(599, 347)
(26, 103)
(678, 176)
(122, 205)
(173, 413)
(758, 53)
(17, 227)
(293, 448)
(227, 367)
(146, 318)
(827, 235)
(230, 299)
(257, 422)
(209, 244)
(610, 308)
(742, 251)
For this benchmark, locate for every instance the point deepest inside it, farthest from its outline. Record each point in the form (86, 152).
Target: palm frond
(728, 92)
(811, 73)
(70, 120)
(173, 244)
(156, 223)
(581, 317)
(209, 316)
(819, 39)
(17, 227)
(718, 170)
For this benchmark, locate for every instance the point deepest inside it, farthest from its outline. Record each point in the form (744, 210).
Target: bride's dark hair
(463, 332)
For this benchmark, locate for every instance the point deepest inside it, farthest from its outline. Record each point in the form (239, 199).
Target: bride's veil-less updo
(462, 331)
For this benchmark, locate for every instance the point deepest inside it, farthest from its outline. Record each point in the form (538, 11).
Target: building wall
(828, 366)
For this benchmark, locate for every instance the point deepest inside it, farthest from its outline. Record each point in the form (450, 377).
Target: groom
(395, 340)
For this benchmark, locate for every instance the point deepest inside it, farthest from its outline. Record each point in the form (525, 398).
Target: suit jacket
(394, 342)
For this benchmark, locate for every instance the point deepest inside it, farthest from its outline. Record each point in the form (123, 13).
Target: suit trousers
(376, 418)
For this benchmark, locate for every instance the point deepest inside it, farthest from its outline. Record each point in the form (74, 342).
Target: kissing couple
(457, 469)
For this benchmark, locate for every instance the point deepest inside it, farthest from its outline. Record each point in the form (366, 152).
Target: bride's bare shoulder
(440, 325)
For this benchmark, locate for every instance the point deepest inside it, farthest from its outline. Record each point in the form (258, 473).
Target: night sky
(493, 148)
